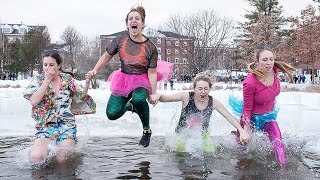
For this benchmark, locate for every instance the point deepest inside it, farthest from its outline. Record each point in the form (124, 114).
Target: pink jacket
(258, 98)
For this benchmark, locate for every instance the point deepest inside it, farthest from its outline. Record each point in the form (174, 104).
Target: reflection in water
(122, 158)
(143, 171)
(67, 170)
(193, 167)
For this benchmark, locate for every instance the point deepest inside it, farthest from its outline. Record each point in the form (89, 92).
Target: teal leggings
(118, 105)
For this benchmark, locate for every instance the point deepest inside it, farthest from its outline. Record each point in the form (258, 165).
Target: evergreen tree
(260, 8)
(16, 65)
(35, 42)
(264, 27)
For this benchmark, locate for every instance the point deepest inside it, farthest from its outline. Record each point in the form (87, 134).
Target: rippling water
(109, 150)
(122, 158)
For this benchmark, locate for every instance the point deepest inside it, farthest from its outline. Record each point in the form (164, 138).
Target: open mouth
(134, 27)
(202, 96)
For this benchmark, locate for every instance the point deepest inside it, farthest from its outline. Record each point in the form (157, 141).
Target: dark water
(122, 158)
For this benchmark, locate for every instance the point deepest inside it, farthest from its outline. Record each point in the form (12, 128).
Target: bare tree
(1, 50)
(209, 33)
(89, 53)
(72, 39)
(151, 32)
(306, 37)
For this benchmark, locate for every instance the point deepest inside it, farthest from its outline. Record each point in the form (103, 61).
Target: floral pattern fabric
(57, 106)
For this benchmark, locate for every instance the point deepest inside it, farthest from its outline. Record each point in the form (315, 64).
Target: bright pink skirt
(123, 84)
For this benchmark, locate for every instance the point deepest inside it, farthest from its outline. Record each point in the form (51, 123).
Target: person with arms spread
(197, 107)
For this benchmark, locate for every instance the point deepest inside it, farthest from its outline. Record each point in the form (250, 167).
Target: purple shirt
(258, 98)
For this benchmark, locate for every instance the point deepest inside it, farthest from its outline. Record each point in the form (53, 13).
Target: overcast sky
(96, 17)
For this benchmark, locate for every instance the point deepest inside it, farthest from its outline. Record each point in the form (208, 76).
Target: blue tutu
(259, 120)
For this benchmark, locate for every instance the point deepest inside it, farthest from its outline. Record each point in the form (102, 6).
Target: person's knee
(139, 99)
(37, 157)
(61, 158)
(112, 115)
(66, 148)
(39, 150)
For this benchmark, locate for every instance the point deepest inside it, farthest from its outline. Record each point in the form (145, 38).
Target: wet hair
(202, 78)
(140, 10)
(56, 55)
(287, 68)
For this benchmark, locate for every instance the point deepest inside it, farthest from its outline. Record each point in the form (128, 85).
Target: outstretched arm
(244, 136)
(181, 96)
(104, 59)
(86, 86)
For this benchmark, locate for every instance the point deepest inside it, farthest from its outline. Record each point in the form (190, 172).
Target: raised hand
(49, 74)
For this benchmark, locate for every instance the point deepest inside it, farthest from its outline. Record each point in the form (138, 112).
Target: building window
(168, 43)
(6, 30)
(184, 60)
(176, 60)
(158, 41)
(176, 51)
(176, 43)
(185, 43)
(168, 59)
(185, 51)
(168, 51)
(22, 30)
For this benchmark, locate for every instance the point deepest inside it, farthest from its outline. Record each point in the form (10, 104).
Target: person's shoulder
(149, 42)
(66, 75)
(120, 36)
(250, 79)
(123, 34)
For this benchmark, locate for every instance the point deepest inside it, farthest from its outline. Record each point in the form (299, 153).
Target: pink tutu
(164, 70)
(123, 84)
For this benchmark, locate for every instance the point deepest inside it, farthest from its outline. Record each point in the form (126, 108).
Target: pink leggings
(274, 134)
(273, 131)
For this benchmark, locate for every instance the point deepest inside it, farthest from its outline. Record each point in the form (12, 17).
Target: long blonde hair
(287, 68)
